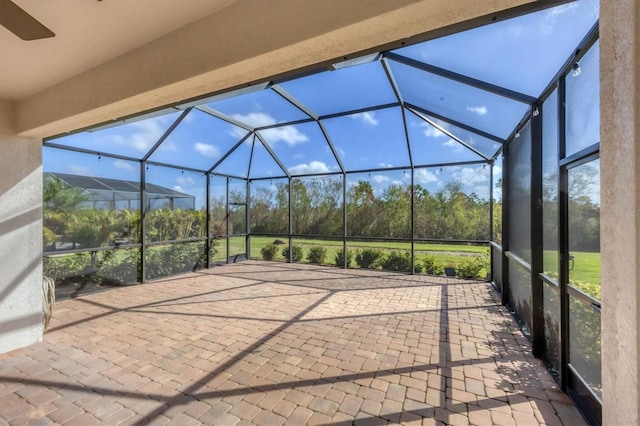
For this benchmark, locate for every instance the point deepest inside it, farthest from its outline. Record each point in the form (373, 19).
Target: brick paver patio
(273, 343)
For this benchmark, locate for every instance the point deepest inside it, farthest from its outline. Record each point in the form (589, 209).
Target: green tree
(395, 206)
(60, 203)
(361, 210)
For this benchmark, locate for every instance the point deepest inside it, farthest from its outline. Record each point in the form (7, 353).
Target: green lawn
(586, 266)
(585, 274)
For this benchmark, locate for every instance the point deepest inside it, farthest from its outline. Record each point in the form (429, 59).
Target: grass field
(586, 266)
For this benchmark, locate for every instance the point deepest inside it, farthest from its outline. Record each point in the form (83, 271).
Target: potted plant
(450, 270)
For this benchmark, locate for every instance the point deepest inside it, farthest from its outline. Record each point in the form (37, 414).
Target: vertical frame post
(412, 219)
(506, 177)
(142, 270)
(491, 223)
(208, 245)
(344, 222)
(290, 220)
(563, 238)
(537, 290)
(227, 219)
(247, 207)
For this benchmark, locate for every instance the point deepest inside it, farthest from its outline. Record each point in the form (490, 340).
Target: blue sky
(521, 54)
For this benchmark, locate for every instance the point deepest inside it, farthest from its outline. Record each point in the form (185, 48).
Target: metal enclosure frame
(568, 378)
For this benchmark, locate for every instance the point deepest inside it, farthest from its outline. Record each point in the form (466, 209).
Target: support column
(20, 236)
(620, 208)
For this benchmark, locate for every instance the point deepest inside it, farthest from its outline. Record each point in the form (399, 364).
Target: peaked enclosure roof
(450, 100)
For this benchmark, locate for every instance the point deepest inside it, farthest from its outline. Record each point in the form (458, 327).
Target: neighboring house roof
(105, 184)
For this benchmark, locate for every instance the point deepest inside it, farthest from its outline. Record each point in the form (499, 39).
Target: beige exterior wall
(620, 198)
(20, 240)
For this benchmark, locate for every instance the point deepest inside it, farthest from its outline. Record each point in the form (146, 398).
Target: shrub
(367, 257)
(64, 266)
(297, 253)
(317, 255)
(397, 261)
(339, 258)
(433, 266)
(171, 259)
(269, 251)
(471, 267)
(418, 267)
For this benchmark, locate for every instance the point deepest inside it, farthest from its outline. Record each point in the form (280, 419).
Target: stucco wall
(620, 209)
(20, 242)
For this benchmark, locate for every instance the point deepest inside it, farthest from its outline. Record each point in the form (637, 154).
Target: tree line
(317, 209)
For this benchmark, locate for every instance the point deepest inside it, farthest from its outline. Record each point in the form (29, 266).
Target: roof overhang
(233, 44)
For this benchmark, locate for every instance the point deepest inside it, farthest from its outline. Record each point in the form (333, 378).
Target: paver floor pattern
(274, 343)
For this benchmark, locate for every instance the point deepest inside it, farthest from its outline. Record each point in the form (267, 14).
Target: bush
(397, 261)
(367, 257)
(171, 259)
(269, 251)
(339, 258)
(472, 267)
(317, 255)
(433, 266)
(297, 253)
(65, 266)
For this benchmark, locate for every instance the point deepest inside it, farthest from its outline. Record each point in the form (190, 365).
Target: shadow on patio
(275, 343)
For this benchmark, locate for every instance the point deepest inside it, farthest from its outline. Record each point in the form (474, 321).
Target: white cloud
(561, 10)
(288, 134)
(455, 146)
(497, 193)
(380, 179)
(79, 170)
(144, 134)
(255, 119)
(552, 16)
(480, 110)
(182, 182)
(470, 176)
(433, 132)
(482, 191)
(312, 167)
(424, 176)
(543, 26)
(368, 117)
(123, 165)
(206, 150)
(385, 165)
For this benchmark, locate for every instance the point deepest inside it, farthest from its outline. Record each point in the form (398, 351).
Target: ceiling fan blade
(19, 22)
